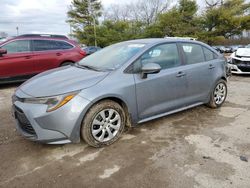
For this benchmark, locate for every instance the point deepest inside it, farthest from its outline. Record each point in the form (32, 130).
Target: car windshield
(111, 57)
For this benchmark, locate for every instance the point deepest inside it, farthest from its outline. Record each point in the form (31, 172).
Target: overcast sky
(38, 16)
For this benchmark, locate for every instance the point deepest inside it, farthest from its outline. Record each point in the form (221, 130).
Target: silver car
(122, 85)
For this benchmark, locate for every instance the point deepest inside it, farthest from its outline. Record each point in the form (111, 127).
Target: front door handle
(58, 54)
(211, 66)
(180, 74)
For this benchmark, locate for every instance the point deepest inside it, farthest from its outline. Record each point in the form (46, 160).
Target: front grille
(237, 61)
(244, 68)
(23, 121)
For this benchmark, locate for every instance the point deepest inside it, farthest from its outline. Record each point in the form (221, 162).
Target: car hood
(243, 52)
(61, 80)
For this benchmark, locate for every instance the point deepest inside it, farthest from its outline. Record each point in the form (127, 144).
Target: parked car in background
(236, 47)
(122, 85)
(27, 55)
(226, 49)
(248, 46)
(217, 48)
(91, 49)
(239, 61)
(2, 40)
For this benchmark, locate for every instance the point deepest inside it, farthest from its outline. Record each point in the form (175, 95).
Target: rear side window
(209, 55)
(17, 46)
(193, 53)
(44, 45)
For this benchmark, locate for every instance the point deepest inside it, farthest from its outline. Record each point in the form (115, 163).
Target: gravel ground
(200, 147)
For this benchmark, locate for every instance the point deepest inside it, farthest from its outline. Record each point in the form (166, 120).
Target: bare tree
(148, 10)
(145, 11)
(213, 3)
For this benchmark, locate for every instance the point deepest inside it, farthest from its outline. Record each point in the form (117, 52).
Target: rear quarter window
(63, 45)
(209, 55)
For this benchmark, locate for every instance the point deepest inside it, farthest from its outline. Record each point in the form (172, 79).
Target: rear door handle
(58, 54)
(211, 66)
(180, 74)
(28, 57)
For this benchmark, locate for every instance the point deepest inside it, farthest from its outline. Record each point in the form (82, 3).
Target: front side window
(193, 53)
(17, 46)
(165, 55)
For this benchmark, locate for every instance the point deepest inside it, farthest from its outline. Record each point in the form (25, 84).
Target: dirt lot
(200, 147)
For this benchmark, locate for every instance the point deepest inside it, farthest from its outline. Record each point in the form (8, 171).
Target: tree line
(218, 20)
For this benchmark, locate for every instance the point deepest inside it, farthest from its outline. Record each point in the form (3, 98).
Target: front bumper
(58, 127)
(236, 70)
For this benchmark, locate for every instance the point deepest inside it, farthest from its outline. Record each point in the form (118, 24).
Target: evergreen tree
(83, 16)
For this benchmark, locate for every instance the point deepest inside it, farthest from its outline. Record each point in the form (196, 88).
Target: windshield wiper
(93, 68)
(87, 67)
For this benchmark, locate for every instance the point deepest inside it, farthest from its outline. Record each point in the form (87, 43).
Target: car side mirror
(2, 51)
(149, 68)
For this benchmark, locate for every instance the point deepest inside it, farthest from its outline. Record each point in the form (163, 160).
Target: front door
(19, 60)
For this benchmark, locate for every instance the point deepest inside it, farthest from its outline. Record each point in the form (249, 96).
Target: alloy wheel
(106, 125)
(220, 93)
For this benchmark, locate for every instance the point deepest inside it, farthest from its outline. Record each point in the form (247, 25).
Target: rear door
(49, 53)
(164, 91)
(199, 72)
(19, 60)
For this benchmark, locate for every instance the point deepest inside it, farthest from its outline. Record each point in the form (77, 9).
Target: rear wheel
(103, 124)
(219, 94)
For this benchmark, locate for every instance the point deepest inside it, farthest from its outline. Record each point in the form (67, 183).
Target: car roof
(155, 41)
(161, 40)
(39, 38)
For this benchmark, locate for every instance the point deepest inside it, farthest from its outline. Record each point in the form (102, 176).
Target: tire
(67, 63)
(98, 132)
(218, 95)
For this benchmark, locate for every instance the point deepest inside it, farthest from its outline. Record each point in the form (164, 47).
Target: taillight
(82, 52)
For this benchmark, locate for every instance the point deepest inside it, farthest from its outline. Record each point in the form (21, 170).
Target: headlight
(234, 61)
(54, 102)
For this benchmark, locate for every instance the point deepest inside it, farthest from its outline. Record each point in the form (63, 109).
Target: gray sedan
(122, 85)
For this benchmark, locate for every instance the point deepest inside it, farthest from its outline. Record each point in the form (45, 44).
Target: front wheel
(218, 95)
(103, 124)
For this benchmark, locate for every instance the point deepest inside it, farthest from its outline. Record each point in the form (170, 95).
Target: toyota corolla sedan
(124, 84)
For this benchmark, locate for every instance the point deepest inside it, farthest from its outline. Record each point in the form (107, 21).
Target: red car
(27, 55)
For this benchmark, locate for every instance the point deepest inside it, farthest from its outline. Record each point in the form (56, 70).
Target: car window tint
(165, 55)
(63, 45)
(193, 53)
(209, 55)
(17, 46)
(44, 45)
